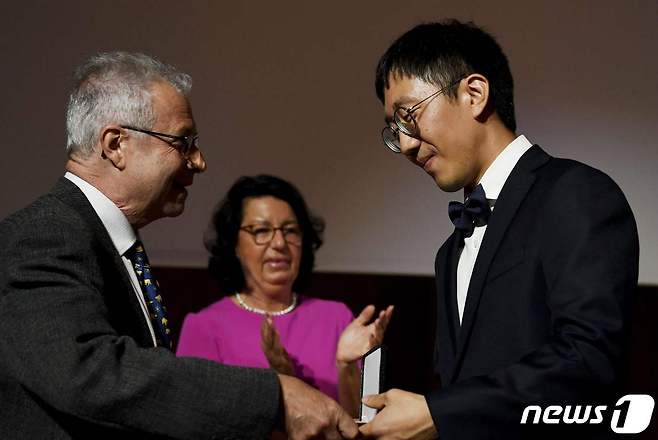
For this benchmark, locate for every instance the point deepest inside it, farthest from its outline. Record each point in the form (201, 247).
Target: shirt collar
(120, 230)
(494, 178)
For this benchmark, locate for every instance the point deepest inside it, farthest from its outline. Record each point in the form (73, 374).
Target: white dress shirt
(492, 182)
(120, 231)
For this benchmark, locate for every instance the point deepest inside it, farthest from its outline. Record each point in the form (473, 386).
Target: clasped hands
(311, 414)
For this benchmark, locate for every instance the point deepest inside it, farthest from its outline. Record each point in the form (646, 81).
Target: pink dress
(227, 333)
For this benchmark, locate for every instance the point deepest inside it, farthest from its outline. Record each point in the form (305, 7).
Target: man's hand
(276, 354)
(310, 414)
(361, 335)
(402, 415)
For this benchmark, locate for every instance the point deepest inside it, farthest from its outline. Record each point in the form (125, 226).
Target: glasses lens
(292, 234)
(391, 139)
(190, 143)
(262, 234)
(405, 121)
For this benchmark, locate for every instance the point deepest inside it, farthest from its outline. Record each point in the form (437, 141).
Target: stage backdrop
(287, 88)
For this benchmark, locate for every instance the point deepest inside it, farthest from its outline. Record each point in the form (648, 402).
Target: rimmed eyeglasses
(263, 234)
(184, 144)
(406, 123)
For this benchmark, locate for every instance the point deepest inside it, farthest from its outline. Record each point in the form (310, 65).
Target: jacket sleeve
(59, 345)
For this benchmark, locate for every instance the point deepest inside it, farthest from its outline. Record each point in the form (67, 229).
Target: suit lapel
(445, 334)
(511, 196)
(69, 193)
(446, 265)
(451, 287)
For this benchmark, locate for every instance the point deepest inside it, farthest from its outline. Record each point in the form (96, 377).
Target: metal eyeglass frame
(189, 142)
(391, 136)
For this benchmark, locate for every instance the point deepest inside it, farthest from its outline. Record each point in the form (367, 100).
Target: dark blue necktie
(150, 288)
(475, 211)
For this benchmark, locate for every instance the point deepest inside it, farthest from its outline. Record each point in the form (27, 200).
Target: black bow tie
(475, 211)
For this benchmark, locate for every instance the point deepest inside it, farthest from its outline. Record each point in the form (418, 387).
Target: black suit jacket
(548, 305)
(76, 356)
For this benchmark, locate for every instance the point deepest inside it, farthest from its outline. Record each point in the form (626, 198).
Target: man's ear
(111, 139)
(477, 96)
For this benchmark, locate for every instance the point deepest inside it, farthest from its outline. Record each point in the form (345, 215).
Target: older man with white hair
(84, 342)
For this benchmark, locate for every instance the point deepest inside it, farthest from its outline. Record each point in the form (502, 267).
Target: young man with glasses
(535, 284)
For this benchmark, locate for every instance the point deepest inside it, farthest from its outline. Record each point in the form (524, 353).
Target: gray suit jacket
(76, 357)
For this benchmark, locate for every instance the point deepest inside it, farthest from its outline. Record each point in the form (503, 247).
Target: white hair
(114, 88)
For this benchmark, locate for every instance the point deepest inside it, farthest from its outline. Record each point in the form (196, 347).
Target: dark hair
(222, 235)
(442, 53)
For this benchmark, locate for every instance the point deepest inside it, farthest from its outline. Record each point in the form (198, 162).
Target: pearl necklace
(247, 307)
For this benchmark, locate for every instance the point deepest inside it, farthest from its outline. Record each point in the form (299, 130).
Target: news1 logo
(631, 414)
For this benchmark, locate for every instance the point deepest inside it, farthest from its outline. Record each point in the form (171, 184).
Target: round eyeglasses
(263, 234)
(406, 123)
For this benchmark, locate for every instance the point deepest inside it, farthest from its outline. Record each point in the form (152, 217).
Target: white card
(371, 380)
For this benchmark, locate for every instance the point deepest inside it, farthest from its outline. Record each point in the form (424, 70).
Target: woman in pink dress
(263, 254)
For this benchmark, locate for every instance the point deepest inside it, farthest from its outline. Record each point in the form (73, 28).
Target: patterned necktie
(475, 211)
(150, 288)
